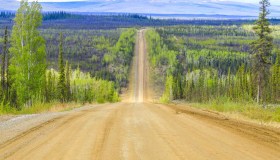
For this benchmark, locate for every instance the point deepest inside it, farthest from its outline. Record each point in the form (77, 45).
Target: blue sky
(247, 1)
(225, 7)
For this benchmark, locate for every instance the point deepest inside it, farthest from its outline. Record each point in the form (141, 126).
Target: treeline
(66, 20)
(25, 80)
(58, 15)
(46, 15)
(136, 16)
(6, 14)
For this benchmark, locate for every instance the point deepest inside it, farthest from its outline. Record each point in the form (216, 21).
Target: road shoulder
(264, 134)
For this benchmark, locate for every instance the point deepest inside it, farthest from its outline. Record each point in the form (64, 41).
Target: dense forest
(60, 65)
(205, 63)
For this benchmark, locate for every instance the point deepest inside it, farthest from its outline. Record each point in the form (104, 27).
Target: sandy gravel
(12, 126)
(142, 131)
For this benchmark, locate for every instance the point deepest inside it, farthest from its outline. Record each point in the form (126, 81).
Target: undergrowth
(252, 110)
(39, 108)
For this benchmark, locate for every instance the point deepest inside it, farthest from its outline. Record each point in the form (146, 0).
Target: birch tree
(28, 51)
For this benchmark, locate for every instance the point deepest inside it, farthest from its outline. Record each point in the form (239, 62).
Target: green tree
(68, 81)
(262, 48)
(168, 93)
(229, 84)
(61, 80)
(28, 54)
(201, 87)
(5, 59)
(239, 87)
(48, 86)
(275, 80)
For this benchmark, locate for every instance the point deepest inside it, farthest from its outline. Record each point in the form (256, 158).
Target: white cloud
(233, 7)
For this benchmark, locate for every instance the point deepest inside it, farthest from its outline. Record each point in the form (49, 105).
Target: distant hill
(178, 7)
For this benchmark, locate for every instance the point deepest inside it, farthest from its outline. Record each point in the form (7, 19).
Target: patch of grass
(248, 109)
(39, 108)
(5, 109)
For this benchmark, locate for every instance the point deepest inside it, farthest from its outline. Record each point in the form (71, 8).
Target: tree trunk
(258, 95)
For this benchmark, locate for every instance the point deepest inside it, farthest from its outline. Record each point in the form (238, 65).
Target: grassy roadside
(40, 108)
(247, 109)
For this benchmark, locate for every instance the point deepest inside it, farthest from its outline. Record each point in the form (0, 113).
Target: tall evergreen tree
(28, 51)
(262, 48)
(68, 81)
(61, 81)
(275, 80)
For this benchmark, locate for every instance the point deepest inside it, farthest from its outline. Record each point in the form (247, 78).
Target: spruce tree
(262, 48)
(68, 81)
(275, 80)
(61, 81)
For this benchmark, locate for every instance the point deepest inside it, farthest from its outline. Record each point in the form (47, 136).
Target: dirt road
(141, 130)
(138, 76)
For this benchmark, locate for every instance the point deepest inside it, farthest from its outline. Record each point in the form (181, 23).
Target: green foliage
(61, 86)
(168, 93)
(87, 89)
(262, 48)
(5, 108)
(4, 70)
(28, 56)
(27, 85)
(68, 81)
(163, 61)
(248, 109)
(51, 87)
(120, 57)
(209, 62)
(275, 81)
(81, 87)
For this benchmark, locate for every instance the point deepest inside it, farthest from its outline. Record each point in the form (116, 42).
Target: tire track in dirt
(15, 144)
(261, 134)
(102, 138)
